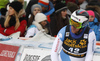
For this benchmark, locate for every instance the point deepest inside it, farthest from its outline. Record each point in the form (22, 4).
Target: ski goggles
(75, 24)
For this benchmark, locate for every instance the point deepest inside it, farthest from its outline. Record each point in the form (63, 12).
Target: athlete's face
(74, 30)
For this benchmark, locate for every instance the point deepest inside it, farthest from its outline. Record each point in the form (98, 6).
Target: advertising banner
(96, 56)
(30, 54)
(8, 52)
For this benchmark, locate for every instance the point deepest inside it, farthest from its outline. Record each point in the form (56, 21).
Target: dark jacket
(2, 19)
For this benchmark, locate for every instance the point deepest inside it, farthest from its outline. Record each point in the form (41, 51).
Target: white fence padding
(96, 56)
(41, 40)
(40, 43)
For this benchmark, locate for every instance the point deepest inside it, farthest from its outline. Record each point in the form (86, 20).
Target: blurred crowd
(45, 15)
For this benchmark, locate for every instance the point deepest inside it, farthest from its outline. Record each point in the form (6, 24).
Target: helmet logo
(79, 20)
(75, 17)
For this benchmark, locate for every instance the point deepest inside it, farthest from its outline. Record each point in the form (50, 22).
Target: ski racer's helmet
(79, 18)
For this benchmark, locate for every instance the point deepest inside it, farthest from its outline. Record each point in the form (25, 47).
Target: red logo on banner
(98, 43)
(8, 52)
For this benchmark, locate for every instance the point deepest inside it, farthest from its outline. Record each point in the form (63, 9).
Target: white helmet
(80, 16)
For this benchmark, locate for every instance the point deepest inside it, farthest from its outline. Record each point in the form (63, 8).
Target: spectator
(94, 24)
(59, 18)
(34, 10)
(94, 6)
(47, 8)
(3, 11)
(28, 8)
(38, 24)
(15, 20)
